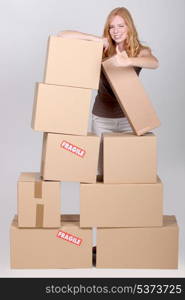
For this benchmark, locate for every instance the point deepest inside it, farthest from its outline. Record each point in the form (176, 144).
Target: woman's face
(118, 29)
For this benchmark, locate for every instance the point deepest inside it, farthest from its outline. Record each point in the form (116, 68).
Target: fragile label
(72, 148)
(69, 237)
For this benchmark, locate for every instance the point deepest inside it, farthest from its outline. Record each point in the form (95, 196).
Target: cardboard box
(73, 62)
(129, 158)
(61, 109)
(70, 157)
(66, 247)
(131, 96)
(143, 248)
(38, 201)
(121, 205)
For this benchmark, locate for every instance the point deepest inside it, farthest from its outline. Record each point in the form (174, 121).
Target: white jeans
(101, 125)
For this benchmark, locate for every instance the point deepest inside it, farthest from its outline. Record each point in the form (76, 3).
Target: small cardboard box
(38, 201)
(73, 62)
(48, 248)
(70, 157)
(121, 205)
(61, 109)
(143, 248)
(131, 96)
(129, 158)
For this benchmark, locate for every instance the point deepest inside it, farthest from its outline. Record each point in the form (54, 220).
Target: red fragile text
(69, 237)
(72, 148)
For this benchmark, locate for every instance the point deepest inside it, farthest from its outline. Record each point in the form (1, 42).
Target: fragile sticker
(69, 237)
(73, 149)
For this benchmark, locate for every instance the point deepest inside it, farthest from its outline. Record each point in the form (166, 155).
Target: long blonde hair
(132, 43)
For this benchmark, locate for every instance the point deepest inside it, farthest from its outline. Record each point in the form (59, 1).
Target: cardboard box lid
(127, 134)
(169, 222)
(33, 177)
(69, 220)
(100, 182)
(89, 135)
(30, 176)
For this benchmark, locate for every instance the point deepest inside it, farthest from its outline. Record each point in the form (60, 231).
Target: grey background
(24, 30)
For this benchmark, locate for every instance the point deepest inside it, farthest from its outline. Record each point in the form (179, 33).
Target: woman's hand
(64, 34)
(72, 34)
(122, 59)
(105, 44)
(145, 59)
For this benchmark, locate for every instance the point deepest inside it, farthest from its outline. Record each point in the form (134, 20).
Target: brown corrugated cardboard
(70, 157)
(131, 96)
(121, 205)
(47, 248)
(38, 201)
(129, 158)
(73, 62)
(61, 109)
(143, 248)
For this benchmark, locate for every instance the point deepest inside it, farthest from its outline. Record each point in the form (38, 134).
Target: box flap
(29, 176)
(70, 218)
(169, 221)
(127, 134)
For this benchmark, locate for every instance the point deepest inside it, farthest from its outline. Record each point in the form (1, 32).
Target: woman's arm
(145, 59)
(79, 35)
(83, 36)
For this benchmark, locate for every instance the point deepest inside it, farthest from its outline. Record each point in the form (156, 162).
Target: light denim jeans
(101, 125)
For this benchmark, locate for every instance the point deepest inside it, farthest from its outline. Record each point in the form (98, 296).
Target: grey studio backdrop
(25, 27)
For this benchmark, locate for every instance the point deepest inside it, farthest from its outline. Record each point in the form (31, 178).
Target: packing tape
(39, 206)
(38, 189)
(39, 215)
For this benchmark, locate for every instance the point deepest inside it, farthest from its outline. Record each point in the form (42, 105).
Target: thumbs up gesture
(121, 58)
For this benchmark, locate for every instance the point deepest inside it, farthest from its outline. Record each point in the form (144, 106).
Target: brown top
(106, 104)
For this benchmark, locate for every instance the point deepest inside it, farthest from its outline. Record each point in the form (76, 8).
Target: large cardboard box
(38, 201)
(143, 248)
(121, 205)
(70, 157)
(73, 62)
(61, 109)
(131, 96)
(47, 248)
(129, 158)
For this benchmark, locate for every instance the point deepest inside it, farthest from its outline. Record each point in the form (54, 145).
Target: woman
(120, 37)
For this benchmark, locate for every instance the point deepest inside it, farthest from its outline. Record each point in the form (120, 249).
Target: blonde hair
(132, 43)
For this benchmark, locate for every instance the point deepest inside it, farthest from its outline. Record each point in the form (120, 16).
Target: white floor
(110, 273)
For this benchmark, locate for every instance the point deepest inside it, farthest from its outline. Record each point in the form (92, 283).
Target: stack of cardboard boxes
(126, 207)
(40, 237)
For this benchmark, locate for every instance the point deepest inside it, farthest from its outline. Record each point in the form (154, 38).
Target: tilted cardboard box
(143, 248)
(73, 62)
(38, 201)
(48, 248)
(121, 205)
(131, 96)
(70, 157)
(61, 109)
(129, 158)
